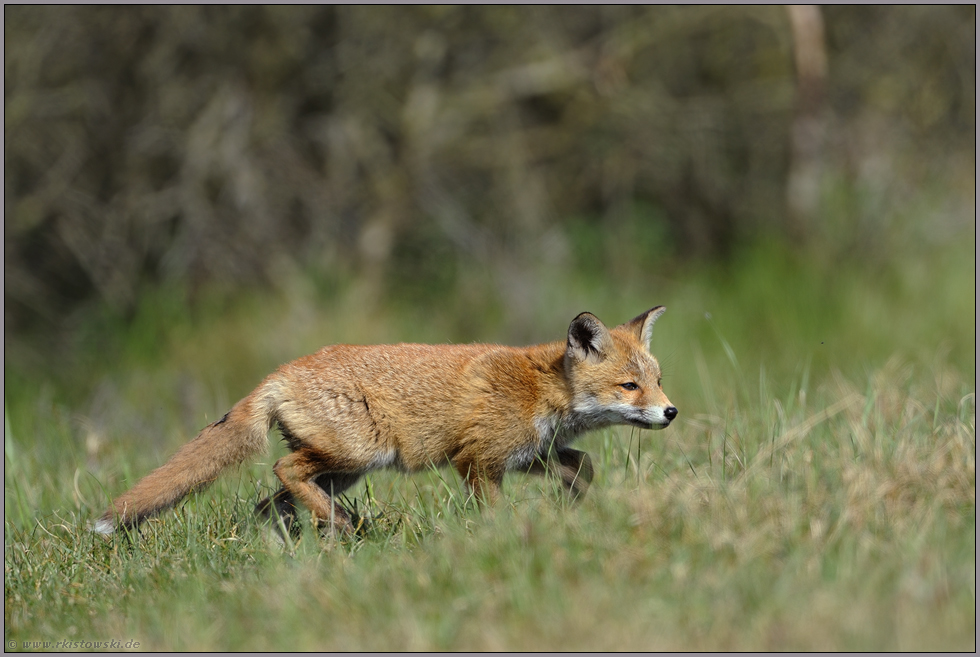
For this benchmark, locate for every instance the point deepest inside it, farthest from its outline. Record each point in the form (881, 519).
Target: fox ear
(642, 325)
(588, 338)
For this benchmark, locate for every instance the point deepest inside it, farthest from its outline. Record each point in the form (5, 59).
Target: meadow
(817, 492)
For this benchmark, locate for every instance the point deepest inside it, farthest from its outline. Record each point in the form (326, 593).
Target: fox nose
(670, 413)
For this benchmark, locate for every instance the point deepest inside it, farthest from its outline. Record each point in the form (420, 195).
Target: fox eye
(629, 386)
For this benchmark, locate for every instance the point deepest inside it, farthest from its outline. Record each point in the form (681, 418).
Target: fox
(483, 409)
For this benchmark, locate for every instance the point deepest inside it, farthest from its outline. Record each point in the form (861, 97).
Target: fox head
(614, 378)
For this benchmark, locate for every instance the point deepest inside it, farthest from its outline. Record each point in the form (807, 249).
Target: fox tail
(240, 435)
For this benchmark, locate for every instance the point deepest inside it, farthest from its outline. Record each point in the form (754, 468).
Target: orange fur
(484, 409)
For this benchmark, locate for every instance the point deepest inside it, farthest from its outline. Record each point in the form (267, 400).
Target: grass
(817, 493)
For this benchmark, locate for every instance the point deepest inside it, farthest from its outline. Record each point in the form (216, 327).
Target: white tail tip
(103, 526)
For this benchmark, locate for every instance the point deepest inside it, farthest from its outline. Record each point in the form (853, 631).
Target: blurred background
(504, 165)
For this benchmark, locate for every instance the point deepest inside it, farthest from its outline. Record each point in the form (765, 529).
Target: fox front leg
(573, 467)
(484, 480)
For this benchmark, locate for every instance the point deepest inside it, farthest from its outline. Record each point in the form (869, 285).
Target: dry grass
(843, 523)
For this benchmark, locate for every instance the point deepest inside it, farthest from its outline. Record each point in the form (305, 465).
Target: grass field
(818, 491)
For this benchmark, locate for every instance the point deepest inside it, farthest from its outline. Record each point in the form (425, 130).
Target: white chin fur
(103, 526)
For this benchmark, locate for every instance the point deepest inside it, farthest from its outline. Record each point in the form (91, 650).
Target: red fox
(484, 409)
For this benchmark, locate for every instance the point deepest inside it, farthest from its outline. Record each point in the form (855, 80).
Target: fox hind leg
(282, 505)
(335, 483)
(309, 477)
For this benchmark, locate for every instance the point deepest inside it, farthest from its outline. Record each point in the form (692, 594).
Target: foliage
(239, 144)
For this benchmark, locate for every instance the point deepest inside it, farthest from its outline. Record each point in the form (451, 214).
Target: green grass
(816, 493)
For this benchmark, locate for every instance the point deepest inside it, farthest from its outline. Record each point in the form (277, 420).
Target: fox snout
(663, 416)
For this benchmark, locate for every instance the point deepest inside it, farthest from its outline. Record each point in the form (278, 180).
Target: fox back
(484, 409)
